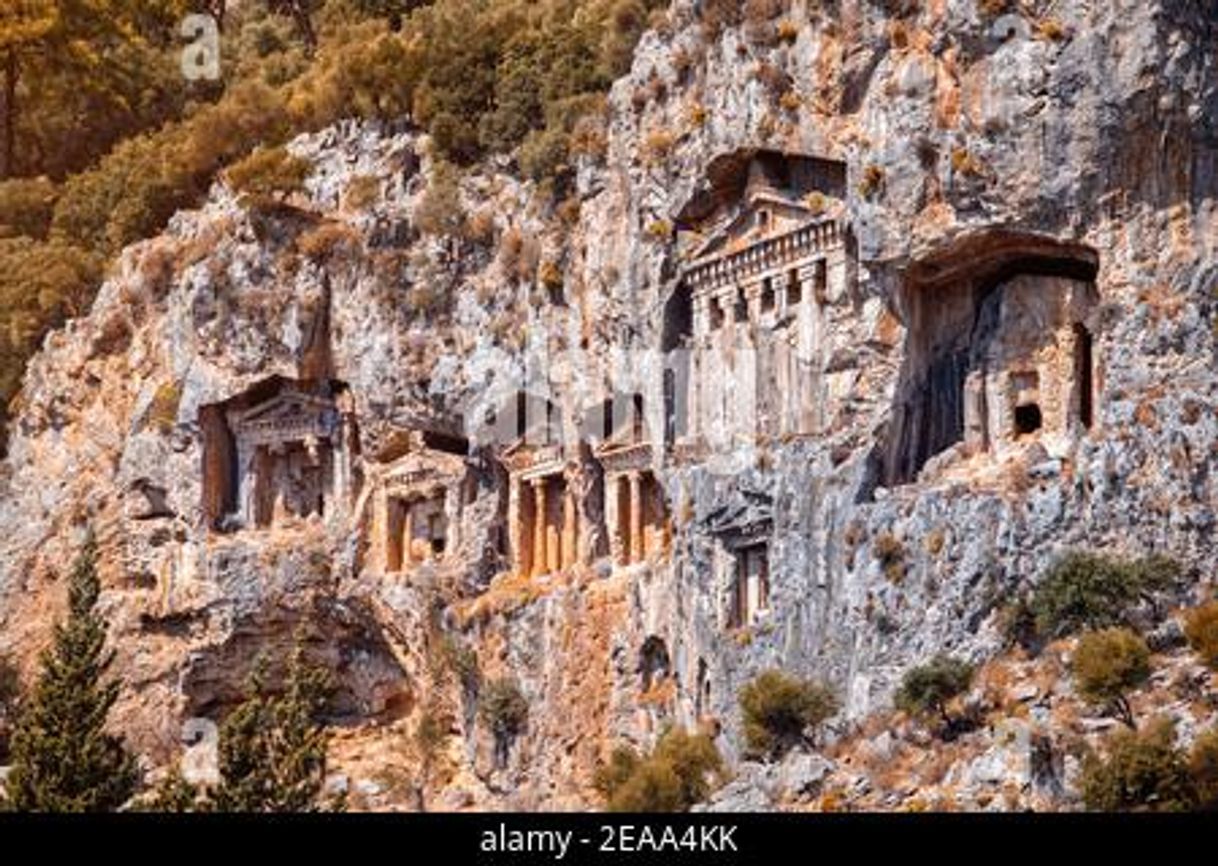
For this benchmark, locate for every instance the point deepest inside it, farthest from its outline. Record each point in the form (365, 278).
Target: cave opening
(1084, 374)
(1027, 419)
(996, 350)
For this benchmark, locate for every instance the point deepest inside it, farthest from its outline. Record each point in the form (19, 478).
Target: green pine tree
(63, 759)
(273, 747)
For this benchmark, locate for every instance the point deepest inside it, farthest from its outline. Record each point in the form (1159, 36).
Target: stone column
(554, 554)
(752, 296)
(407, 535)
(245, 483)
(452, 514)
(779, 285)
(636, 517)
(539, 527)
(517, 537)
(570, 528)
(701, 321)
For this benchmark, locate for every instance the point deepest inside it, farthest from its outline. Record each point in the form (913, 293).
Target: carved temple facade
(767, 252)
(998, 354)
(417, 504)
(279, 454)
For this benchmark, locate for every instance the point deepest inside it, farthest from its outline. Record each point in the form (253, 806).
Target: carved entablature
(287, 417)
(533, 461)
(617, 457)
(725, 266)
(424, 474)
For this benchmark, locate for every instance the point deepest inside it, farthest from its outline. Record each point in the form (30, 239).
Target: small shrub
(698, 115)
(657, 146)
(322, 242)
(163, 411)
(363, 191)
(462, 660)
(1107, 665)
(790, 101)
(1201, 629)
(816, 202)
(677, 774)
(1141, 772)
(268, 174)
(788, 31)
(659, 231)
(887, 548)
(927, 689)
(872, 181)
(1017, 624)
(545, 154)
(1086, 591)
(588, 137)
(1203, 769)
(550, 275)
(480, 227)
(439, 212)
(779, 709)
(964, 163)
(503, 708)
(993, 8)
(1051, 30)
(717, 15)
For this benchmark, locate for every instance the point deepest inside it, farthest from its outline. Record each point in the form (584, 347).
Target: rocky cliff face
(978, 151)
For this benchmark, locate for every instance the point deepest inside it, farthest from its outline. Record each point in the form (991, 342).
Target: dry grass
(872, 181)
(658, 146)
(1051, 30)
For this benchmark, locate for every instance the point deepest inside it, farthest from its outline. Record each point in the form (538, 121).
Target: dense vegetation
(928, 689)
(679, 773)
(780, 712)
(64, 760)
(103, 138)
(1147, 771)
(1084, 590)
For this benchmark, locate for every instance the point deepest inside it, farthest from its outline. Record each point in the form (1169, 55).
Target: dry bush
(363, 191)
(321, 243)
(872, 181)
(1201, 629)
(480, 228)
(658, 146)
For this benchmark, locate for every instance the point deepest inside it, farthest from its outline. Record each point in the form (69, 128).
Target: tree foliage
(678, 773)
(779, 711)
(64, 760)
(1107, 665)
(273, 745)
(1088, 591)
(1201, 629)
(1142, 771)
(927, 689)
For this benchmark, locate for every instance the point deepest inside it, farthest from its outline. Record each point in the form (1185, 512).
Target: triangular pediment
(285, 406)
(762, 216)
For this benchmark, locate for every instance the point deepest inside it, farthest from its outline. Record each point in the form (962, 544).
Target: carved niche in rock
(418, 502)
(999, 350)
(280, 453)
(765, 248)
(636, 511)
